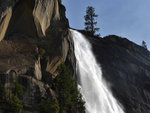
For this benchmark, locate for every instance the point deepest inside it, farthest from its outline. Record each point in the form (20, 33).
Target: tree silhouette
(144, 44)
(90, 21)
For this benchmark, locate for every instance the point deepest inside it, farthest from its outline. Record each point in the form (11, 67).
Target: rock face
(45, 12)
(34, 41)
(126, 67)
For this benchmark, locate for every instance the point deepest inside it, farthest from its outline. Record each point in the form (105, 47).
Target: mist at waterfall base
(97, 96)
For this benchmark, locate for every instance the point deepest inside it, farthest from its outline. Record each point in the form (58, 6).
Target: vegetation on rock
(12, 102)
(69, 99)
(49, 106)
(42, 52)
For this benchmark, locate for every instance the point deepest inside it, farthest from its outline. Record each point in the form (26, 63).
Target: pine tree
(69, 98)
(90, 20)
(144, 44)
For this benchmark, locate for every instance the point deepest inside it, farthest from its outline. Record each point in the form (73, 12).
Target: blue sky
(126, 18)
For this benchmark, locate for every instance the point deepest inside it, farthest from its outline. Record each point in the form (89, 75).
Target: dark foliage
(69, 98)
(12, 102)
(144, 44)
(90, 21)
(60, 1)
(49, 106)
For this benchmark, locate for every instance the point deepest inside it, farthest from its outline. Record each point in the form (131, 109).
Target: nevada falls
(47, 67)
(97, 96)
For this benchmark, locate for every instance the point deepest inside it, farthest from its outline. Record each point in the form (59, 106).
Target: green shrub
(18, 89)
(49, 106)
(42, 52)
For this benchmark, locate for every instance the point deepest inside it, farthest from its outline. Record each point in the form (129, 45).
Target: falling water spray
(97, 95)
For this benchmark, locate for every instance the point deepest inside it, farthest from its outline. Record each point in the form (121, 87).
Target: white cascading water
(96, 94)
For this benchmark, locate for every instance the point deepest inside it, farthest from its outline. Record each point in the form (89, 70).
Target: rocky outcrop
(45, 12)
(19, 57)
(34, 41)
(5, 18)
(126, 67)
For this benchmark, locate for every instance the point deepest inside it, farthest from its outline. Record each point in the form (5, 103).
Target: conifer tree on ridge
(90, 21)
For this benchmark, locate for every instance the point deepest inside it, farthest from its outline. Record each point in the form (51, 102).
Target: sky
(125, 18)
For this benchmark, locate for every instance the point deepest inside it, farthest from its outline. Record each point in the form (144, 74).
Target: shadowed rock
(126, 67)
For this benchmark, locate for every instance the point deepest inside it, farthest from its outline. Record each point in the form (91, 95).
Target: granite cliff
(34, 41)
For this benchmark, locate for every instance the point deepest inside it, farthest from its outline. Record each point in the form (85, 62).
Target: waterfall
(96, 94)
